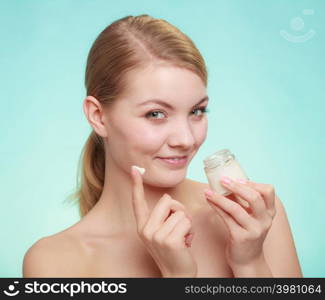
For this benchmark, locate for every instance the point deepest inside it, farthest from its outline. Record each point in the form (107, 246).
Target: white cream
(141, 170)
(222, 163)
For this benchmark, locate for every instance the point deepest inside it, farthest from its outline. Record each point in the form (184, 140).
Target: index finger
(140, 206)
(248, 194)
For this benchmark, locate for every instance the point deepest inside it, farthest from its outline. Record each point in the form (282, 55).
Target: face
(143, 133)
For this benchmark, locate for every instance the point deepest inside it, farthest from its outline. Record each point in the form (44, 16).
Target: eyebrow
(165, 104)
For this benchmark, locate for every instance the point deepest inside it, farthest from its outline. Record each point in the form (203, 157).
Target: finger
(230, 223)
(182, 229)
(161, 234)
(235, 210)
(250, 195)
(140, 206)
(267, 191)
(241, 201)
(189, 239)
(162, 210)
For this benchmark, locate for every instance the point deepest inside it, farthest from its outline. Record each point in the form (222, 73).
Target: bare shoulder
(196, 189)
(57, 255)
(195, 193)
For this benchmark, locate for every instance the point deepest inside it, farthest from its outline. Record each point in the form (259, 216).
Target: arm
(279, 248)
(260, 242)
(279, 257)
(37, 261)
(54, 257)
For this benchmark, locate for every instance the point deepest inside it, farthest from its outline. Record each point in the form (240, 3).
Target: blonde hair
(127, 44)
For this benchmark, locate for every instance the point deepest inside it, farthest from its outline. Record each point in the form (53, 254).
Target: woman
(147, 102)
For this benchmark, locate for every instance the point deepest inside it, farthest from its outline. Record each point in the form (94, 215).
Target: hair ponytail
(90, 181)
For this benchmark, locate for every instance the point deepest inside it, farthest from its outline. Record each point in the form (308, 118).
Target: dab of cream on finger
(141, 170)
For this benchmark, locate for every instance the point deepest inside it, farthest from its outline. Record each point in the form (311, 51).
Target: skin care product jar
(222, 163)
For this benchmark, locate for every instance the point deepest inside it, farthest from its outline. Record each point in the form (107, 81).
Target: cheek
(201, 132)
(147, 139)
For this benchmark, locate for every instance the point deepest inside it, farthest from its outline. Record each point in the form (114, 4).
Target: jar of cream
(222, 163)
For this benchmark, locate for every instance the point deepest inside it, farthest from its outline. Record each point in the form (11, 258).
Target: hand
(166, 231)
(248, 226)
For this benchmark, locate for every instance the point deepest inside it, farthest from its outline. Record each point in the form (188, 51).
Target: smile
(174, 161)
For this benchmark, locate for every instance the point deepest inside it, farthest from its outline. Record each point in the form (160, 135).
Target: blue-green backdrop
(266, 83)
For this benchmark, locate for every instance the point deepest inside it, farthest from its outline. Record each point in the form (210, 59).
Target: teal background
(267, 106)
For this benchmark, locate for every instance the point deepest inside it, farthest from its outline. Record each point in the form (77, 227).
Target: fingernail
(208, 193)
(190, 217)
(189, 239)
(243, 181)
(226, 180)
(141, 170)
(134, 170)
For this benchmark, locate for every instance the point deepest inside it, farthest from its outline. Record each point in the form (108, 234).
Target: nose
(182, 135)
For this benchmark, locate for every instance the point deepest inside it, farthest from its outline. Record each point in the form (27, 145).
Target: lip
(174, 163)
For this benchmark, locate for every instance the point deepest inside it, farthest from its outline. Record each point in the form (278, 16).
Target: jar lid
(220, 157)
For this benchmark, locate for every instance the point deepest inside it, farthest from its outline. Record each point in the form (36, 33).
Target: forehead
(166, 82)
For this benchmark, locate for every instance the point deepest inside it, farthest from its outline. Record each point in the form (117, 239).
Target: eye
(153, 114)
(202, 109)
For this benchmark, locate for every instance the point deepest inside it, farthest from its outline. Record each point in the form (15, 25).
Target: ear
(95, 115)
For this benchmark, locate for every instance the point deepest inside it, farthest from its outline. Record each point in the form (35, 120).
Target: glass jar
(222, 163)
